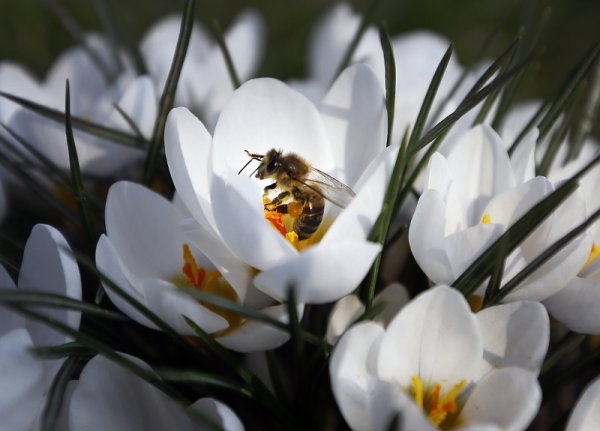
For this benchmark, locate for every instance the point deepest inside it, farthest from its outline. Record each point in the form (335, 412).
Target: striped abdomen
(312, 214)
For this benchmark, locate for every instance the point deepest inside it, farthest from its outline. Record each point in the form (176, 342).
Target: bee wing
(331, 189)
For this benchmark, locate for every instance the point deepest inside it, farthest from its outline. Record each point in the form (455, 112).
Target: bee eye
(273, 165)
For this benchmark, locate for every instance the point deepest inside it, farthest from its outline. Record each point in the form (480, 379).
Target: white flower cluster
(278, 191)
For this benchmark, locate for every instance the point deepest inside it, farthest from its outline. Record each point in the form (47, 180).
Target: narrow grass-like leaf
(233, 75)
(556, 140)
(570, 343)
(107, 133)
(364, 24)
(380, 228)
(110, 29)
(417, 130)
(63, 350)
(134, 127)
(204, 379)
(168, 96)
(480, 269)
(295, 328)
(466, 105)
(496, 278)
(72, 27)
(56, 393)
(79, 193)
(275, 375)
(390, 81)
(542, 258)
(53, 300)
(588, 116)
(569, 86)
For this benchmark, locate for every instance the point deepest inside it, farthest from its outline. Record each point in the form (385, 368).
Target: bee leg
(275, 203)
(270, 187)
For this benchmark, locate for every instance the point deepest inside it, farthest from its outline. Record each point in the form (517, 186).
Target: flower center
(441, 410)
(284, 223)
(486, 219)
(212, 282)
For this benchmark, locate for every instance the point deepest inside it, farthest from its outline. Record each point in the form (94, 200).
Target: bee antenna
(244, 167)
(252, 156)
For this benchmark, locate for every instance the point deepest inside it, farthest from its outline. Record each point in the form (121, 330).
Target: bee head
(269, 164)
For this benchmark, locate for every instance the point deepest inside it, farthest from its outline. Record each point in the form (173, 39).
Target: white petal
(171, 304)
(218, 413)
(343, 314)
(144, 229)
(21, 381)
(109, 397)
(586, 414)
(576, 306)
(14, 79)
(321, 273)
(255, 336)
(515, 334)
(434, 336)
(330, 39)
(48, 266)
(354, 115)
(140, 103)
(394, 297)
(109, 264)
(426, 236)
(280, 118)
(187, 146)
(508, 397)
(357, 219)
(349, 372)
(481, 169)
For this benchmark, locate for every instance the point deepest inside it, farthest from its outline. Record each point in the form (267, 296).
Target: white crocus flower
(108, 397)
(204, 85)
(438, 365)
(94, 96)
(471, 197)
(343, 136)
(48, 267)
(577, 304)
(586, 414)
(147, 252)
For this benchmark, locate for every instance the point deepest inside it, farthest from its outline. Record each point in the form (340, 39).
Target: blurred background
(32, 34)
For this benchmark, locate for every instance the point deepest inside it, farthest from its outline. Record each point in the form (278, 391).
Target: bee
(300, 185)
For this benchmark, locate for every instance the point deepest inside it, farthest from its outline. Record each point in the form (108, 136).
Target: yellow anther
(417, 388)
(594, 253)
(486, 219)
(440, 410)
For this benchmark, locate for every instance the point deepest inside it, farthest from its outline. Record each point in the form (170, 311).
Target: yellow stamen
(211, 282)
(594, 253)
(418, 390)
(438, 408)
(486, 219)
